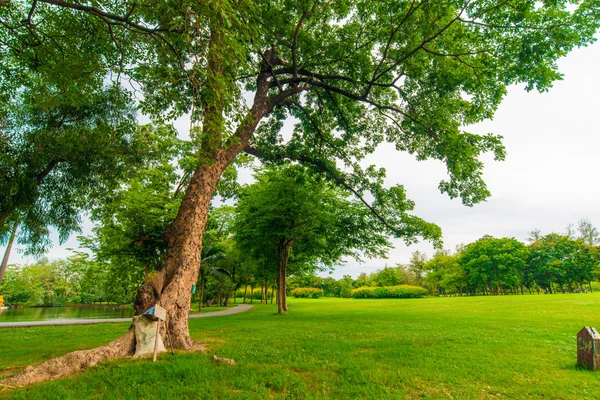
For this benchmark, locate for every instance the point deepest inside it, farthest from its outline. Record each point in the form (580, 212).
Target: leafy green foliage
(78, 279)
(492, 264)
(320, 225)
(444, 275)
(418, 73)
(58, 156)
(389, 292)
(132, 220)
(560, 260)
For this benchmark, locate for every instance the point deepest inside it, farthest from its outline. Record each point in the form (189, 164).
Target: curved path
(234, 310)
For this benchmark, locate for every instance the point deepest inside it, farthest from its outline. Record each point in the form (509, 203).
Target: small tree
(588, 232)
(293, 221)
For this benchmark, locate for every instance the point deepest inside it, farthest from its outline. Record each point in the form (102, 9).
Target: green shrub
(595, 287)
(389, 292)
(307, 293)
(365, 292)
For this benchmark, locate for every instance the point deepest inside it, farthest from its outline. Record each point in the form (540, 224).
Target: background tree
(131, 222)
(416, 265)
(289, 218)
(492, 264)
(387, 276)
(588, 232)
(559, 262)
(444, 274)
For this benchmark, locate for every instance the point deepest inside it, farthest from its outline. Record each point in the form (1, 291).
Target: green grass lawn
(439, 348)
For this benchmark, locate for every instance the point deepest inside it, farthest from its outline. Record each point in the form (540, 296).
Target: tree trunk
(245, 291)
(283, 258)
(4, 264)
(272, 293)
(184, 235)
(182, 261)
(262, 293)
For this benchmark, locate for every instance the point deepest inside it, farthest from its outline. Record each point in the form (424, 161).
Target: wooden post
(588, 348)
(161, 315)
(156, 340)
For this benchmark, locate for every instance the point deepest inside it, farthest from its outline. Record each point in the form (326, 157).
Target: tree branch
(98, 12)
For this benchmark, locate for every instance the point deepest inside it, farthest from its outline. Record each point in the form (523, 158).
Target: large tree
(493, 264)
(353, 73)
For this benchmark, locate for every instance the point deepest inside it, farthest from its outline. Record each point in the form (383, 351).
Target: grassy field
(439, 348)
(210, 309)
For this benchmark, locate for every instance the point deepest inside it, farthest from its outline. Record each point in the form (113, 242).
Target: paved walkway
(56, 322)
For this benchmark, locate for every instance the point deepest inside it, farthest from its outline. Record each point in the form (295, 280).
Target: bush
(307, 293)
(595, 286)
(389, 292)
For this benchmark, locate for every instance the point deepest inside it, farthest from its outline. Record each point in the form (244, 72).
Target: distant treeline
(77, 279)
(554, 263)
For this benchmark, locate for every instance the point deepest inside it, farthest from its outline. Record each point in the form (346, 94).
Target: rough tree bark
(184, 236)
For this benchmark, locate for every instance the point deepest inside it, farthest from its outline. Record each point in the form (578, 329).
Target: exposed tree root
(74, 362)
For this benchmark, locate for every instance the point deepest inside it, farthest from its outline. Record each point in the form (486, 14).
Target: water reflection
(83, 311)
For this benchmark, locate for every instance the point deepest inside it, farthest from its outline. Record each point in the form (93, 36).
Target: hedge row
(389, 292)
(307, 293)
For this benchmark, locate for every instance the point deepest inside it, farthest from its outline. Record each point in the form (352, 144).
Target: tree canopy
(57, 158)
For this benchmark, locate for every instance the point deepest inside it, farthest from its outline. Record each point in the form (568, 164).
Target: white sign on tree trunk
(160, 312)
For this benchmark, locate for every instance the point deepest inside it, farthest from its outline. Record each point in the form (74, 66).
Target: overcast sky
(549, 178)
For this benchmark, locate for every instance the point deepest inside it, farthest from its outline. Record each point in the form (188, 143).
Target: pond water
(79, 311)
